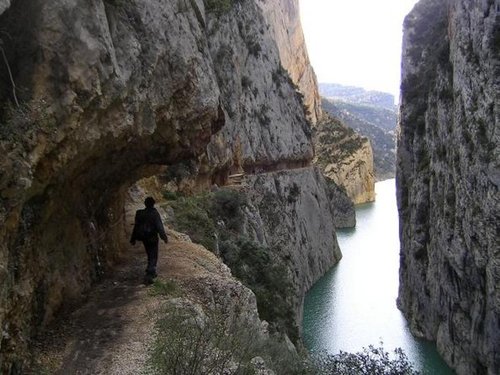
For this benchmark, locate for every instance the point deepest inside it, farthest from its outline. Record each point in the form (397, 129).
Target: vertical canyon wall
(284, 19)
(448, 177)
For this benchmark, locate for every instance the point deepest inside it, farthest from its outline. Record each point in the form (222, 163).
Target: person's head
(149, 202)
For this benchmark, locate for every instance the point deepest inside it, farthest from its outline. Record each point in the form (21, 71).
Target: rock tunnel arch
(63, 192)
(69, 227)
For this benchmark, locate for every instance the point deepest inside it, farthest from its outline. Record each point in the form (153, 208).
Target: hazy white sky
(356, 42)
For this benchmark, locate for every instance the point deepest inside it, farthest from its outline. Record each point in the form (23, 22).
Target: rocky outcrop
(344, 215)
(289, 212)
(109, 98)
(346, 158)
(284, 20)
(113, 91)
(376, 123)
(448, 177)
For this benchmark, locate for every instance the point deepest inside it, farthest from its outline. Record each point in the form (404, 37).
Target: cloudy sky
(357, 42)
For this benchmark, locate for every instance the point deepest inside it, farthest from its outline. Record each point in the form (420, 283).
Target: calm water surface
(354, 304)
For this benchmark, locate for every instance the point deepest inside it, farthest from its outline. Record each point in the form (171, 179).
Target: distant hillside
(383, 118)
(370, 115)
(357, 95)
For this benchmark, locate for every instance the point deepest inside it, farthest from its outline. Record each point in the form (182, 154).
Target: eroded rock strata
(350, 160)
(448, 178)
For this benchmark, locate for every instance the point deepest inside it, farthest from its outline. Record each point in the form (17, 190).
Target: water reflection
(354, 304)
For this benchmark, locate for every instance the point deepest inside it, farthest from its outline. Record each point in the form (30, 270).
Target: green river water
(354, 304)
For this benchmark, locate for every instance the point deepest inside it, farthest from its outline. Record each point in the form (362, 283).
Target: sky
(356, 42)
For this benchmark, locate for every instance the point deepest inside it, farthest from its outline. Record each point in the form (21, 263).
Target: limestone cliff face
(290, 212)
(113, 91)
(284, 19)
(344, 215)
(264, 123)
(448, 179)
(346, 158)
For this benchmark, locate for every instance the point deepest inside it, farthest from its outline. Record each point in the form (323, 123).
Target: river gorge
(214, 104)
(354, 304)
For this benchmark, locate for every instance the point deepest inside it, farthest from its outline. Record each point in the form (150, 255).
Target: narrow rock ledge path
(112, 331)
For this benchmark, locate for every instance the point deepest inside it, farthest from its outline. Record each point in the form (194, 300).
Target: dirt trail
(111, 332)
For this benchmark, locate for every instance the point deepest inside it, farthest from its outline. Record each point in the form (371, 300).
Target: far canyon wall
(448, 178)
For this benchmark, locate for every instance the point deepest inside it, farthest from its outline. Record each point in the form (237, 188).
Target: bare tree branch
(10, 74)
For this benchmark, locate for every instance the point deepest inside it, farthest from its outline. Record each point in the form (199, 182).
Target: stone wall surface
(349, 167)
(104, 93)
(290, 212)
(105, 96)
(284, 19)
(448, 177)
(264, 113)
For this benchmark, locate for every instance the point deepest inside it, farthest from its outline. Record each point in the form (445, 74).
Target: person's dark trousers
(152, 252)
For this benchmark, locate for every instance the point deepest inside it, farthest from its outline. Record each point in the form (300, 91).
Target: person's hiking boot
(148, 280)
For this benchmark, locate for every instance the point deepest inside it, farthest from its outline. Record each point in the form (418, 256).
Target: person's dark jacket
(151, 215)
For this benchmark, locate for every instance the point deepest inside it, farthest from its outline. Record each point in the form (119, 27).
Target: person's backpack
(146, 229)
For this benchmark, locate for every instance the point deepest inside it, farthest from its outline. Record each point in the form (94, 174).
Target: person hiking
(147, 227)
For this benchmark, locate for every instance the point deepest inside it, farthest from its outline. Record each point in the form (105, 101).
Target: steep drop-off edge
(354, 176)
(284, 18)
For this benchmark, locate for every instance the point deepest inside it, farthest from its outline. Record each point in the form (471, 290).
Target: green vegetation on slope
(216, 221)
(382, 118)
(219, 7)
(192, 341)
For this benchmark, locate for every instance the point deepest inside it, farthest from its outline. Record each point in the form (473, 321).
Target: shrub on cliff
(189, 342)
(204, 215)
(254, 265)
(191, 216)
(370, 361)
(215, 220)
(227, 206)
(218, 7)
(192, 341)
